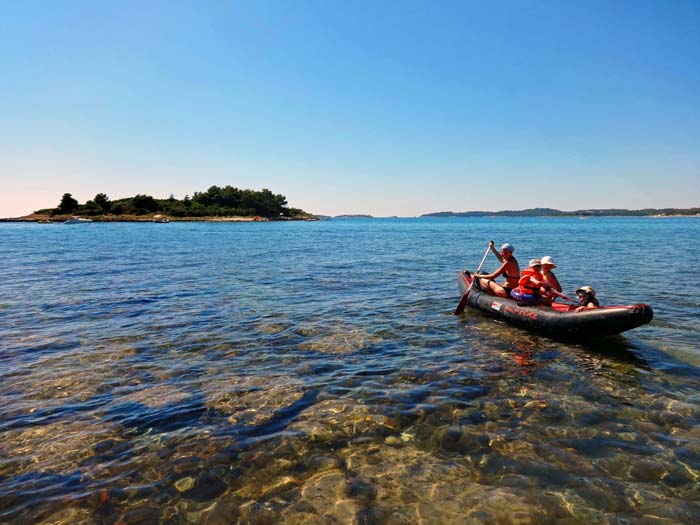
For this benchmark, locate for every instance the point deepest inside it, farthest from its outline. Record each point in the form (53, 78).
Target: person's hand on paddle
(556, 294)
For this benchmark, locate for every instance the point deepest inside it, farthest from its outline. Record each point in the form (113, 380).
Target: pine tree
(68, 204)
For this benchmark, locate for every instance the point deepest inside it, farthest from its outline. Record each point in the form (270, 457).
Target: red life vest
(525, 283)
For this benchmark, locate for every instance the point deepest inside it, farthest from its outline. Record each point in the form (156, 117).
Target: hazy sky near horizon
(388, 108)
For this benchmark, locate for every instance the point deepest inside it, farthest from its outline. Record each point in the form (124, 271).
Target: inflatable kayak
(559, 319)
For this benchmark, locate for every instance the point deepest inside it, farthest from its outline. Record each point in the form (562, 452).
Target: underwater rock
(143, 515)
(361, 490)
(70, 516)
(319, 463)
(222, 512)
(184, 484)
(342, 340)
(326, 493)
(251, 401)
(58, 446)
(462, 439)
(157, 396)
(394, 441)
(647, 470)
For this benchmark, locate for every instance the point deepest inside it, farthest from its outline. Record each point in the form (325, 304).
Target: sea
(314, 372)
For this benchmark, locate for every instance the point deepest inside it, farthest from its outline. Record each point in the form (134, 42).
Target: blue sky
(388, 108)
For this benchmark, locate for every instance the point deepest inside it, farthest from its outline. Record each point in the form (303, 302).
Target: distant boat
(160, 219)
(44, 221)
(77, 220)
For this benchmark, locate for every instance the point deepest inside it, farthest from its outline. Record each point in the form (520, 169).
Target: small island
(217, 204)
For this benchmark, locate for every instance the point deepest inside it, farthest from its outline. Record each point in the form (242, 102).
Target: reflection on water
(179, 394)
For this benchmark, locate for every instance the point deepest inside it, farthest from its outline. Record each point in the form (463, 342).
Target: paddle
(562, 296)
(463, 301)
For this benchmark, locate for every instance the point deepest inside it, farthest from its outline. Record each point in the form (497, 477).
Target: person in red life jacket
(586, 298)
(531, 287)
(549, 278)
(509, 269)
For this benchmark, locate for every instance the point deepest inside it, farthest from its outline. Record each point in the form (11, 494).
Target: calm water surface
(314, 373)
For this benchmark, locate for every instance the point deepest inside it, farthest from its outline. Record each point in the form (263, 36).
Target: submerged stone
(184, 484)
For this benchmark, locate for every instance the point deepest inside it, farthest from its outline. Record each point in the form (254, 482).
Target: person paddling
(509, 269)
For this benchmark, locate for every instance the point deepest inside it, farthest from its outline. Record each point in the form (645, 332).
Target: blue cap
(507, 247)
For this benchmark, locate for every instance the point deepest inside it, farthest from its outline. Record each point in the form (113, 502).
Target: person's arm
(495, 251)
(539, 283)
(587, 306)
(556, 284)
(495, 274)
(543, 286)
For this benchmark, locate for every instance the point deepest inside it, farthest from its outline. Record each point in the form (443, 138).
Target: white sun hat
(548, 261)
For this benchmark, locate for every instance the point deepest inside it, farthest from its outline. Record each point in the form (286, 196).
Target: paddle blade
(462, 303)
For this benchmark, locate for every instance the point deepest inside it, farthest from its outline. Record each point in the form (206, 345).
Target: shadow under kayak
(560, 319)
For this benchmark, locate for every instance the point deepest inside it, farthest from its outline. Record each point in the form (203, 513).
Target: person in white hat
(549, 278)
(509, 269)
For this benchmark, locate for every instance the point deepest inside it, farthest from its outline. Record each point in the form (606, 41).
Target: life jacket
(525, 283)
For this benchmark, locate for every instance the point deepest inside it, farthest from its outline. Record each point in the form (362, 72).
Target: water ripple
(313, 372)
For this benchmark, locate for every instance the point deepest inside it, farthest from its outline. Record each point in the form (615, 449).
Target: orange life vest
(525, 283)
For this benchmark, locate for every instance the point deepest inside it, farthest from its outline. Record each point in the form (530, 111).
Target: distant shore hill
(354, 216)
(215, 203)
(551, 212)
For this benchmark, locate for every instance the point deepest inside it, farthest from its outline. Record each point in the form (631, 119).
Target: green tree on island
(68, 204)
(145, 204)
(103, 202)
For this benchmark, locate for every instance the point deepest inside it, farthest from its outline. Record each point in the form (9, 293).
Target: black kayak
(559, 320)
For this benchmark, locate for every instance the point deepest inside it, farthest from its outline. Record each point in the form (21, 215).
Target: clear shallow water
(314, 373)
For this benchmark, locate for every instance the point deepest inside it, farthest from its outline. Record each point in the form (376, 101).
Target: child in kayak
(586, 298)
(509, 269)
(531, 286)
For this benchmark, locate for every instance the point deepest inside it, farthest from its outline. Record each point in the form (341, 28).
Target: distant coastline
(551, 212)
(53, 215)
(539, 212)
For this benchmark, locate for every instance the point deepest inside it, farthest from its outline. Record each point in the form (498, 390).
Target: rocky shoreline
(38, 217)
